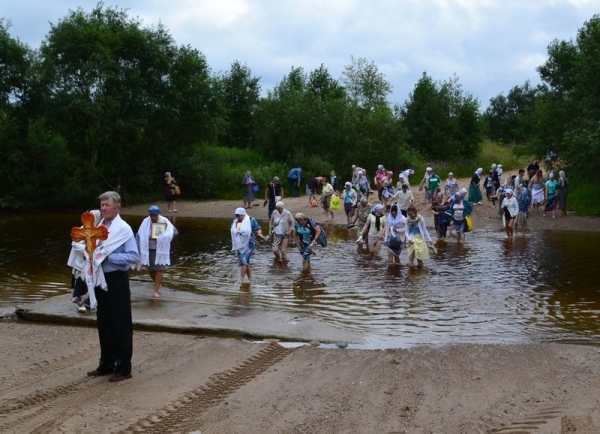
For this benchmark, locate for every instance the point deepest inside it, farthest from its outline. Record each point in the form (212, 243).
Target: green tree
(511, 118)
(569, 108)
(126, 99)
(365, 85)
(442, 120)
(241, 94)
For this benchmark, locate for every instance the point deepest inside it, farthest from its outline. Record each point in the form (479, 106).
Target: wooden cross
(89, 233)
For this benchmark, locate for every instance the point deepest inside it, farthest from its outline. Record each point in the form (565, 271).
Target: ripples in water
(539, 287)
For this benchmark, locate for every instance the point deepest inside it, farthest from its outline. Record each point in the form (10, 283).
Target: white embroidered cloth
(240, 237)
(118, 233)
(163, 242)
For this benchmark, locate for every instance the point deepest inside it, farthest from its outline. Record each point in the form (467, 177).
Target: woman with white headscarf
(395, 234)
(451, 187)
(459, 209)
(374, 229)
(510, 207)
(417, 238)
(475, 196)
(551, 198)
(281, 225)
(537, 190)
(243, 240)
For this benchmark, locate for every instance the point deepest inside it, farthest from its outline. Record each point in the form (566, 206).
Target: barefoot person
(326, 199)
(417, 238)
(243, 240)
(395, 234)
(374, 230)
(510, 207)
(280, 229)
(155, 246)
(115, 255)
(306, 233)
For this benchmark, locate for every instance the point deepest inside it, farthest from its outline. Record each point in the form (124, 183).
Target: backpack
(322, 240)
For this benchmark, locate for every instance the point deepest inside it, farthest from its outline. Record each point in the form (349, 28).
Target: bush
(215, 172)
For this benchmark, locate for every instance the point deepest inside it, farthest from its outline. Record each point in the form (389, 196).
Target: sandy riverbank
(189, 384)
(484, 215)
(193, 384)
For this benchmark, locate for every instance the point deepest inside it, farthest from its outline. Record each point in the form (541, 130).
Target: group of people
(283, 227)
(516, 193)
(101, 280)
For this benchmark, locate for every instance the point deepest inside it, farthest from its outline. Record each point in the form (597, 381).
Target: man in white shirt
(403, 198)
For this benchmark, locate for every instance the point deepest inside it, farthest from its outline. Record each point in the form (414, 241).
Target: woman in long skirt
(475, 196)
(417, 238)
(537, 190)
(563, 191)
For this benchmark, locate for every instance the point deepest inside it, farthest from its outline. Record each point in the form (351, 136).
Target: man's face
(154, 218)
(108, 209)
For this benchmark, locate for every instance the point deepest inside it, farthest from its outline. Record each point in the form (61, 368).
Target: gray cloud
(491, 45)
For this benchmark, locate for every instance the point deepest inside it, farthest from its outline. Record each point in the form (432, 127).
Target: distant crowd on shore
(394, 222)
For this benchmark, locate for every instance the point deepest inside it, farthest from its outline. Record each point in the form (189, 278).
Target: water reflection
(536, 287)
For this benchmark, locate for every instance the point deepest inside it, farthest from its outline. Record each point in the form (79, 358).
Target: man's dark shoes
(115, 378)
(98, 373)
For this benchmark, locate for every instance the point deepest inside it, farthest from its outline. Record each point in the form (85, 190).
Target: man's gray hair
(113, 195)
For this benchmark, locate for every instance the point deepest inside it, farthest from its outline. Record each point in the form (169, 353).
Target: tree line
(107, 103)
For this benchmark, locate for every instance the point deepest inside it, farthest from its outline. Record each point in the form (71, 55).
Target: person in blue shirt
(294, 179)
(115, 328)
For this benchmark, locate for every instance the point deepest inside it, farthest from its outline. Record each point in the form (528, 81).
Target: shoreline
(484, 216)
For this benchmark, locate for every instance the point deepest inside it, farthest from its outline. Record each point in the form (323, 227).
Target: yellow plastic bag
(335, 203)
(468, 224)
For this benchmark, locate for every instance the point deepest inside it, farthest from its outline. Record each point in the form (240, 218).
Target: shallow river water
(538, 288)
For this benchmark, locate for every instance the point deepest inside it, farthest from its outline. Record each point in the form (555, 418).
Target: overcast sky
(491, 45)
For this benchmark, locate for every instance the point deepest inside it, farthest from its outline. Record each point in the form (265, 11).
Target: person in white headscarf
(281, 225)
(510, 208)
(243, 240)
(362, 184)
(155, 246)
(475, 196)
(374, 229)
(451, 186)
(417, 238)
(395, 234)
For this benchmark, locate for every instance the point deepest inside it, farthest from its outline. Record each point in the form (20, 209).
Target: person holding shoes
(171, 187)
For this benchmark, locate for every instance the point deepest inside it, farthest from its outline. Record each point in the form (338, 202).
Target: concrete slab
(214, 315)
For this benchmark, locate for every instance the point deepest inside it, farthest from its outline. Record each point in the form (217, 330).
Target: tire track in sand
(44, 411)
(182, 414)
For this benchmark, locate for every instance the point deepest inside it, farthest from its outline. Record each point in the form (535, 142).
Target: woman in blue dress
(306, 232)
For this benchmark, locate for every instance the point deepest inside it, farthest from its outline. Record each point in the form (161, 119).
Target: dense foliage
(562, 115)
(107, 103)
